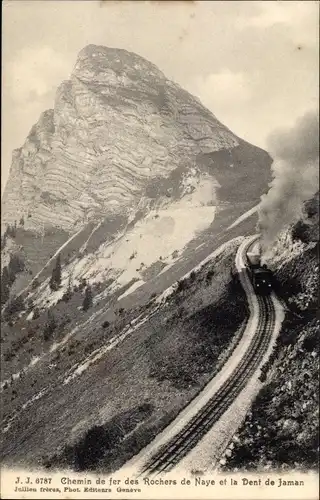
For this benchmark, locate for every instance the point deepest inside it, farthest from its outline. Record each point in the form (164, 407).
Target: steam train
(261, 276)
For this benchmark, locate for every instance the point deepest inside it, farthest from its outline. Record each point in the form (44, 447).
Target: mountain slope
(282, 430)
(113, 373)
(127, 184)
(124, 146)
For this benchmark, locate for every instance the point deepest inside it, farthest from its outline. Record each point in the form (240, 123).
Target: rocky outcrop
(118, 127)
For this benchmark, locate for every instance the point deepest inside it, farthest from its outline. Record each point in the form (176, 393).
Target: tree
(21, 222)
(87, 301)
(4, 241)
(11, 230)
(68, 293)
(34, 284)
(15, 305)
(8, 276)
(15, 266)
(50, 326)
(5, 285)
(55, 280)
(36, 313)
(83, 283)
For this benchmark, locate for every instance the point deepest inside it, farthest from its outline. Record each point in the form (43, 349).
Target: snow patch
(156, 237)
(132, 288)
(244, 216)
(30, 316)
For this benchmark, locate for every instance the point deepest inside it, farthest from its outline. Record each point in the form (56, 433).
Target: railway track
(167, 457)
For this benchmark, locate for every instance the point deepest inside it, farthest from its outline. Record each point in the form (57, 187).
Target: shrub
(67, 295)
(182, 285)
(192, 276)
(36, 313)
(50, 326)
(263, 376)
(30, 304)
(209, 276)
(15, 305)
(55, 280)
(83, 284)
(8, 355)
(88, 299)
(35, 284)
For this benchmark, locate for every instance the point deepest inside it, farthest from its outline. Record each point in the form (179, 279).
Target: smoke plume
(295, 172)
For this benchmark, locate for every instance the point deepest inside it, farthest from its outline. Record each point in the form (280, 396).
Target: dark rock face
(118, 135)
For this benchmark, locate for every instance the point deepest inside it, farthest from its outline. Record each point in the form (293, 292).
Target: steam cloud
(295, 176)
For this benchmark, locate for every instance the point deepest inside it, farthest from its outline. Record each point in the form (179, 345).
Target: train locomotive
(261, 276)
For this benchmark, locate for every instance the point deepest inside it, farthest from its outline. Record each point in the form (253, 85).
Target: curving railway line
(170, 454)
(174, 450)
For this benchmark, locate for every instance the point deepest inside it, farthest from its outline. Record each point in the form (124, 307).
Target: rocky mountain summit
(122, 137)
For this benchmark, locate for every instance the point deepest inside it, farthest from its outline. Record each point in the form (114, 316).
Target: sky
(253, 64)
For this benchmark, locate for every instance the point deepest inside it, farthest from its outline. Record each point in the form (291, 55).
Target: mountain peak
(94, 60)
(119, 131)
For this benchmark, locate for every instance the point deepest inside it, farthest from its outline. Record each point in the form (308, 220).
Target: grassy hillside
(129, 393)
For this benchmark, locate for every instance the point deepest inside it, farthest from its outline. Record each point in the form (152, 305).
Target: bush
(50, 327)
(36, 313)
(15, 306)
(83, 284)
(8, 355)
(9, 274)
(55, 280)
(35, 284)
(263, 376)
(209, 276)
(182, 285)
(67, 295)
(88, 299)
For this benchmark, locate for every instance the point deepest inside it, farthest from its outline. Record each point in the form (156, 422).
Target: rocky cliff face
(120, 137)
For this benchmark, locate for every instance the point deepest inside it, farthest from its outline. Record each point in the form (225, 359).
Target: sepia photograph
(160, 249)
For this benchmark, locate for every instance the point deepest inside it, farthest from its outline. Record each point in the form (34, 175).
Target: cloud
(35, 72)
(295, 175)
(228, 94)
(298, 18)
(240, 58)
(288, 12)
(224, 88)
